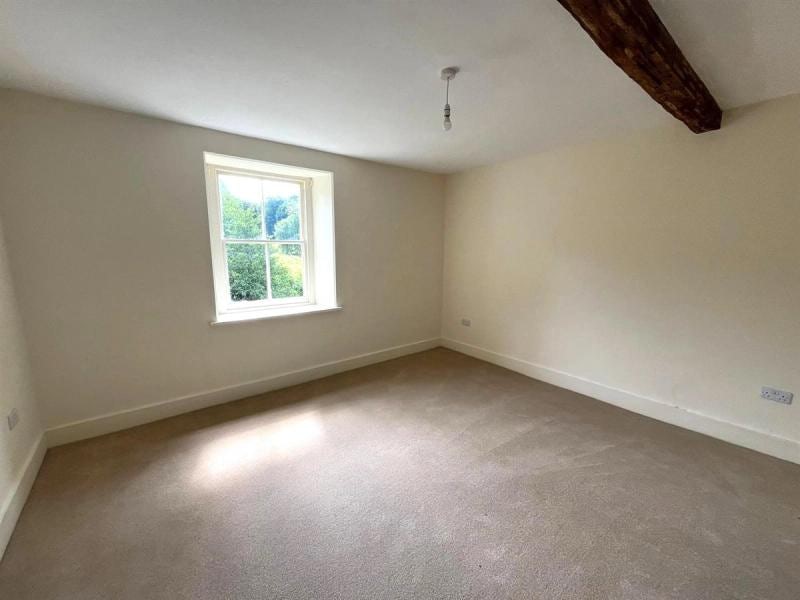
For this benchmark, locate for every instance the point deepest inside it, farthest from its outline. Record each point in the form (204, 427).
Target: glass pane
(282, 209)
(241, 207)
(247, 271)
(286, 270)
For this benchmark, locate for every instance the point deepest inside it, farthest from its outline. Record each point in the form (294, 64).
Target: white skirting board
(18, 494)
(741, 435)
(761, 441)
(79, 430)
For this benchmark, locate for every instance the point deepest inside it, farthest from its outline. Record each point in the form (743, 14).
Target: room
(455, 299)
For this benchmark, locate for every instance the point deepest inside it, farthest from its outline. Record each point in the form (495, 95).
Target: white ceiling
(361, 77)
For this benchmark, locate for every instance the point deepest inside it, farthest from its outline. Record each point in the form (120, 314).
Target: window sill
(273, 313)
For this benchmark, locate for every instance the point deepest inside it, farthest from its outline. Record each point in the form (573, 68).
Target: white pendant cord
(447, 124)
(447, 74)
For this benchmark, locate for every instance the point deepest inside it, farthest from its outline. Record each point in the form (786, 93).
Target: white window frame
(317, 238)
(219, 251)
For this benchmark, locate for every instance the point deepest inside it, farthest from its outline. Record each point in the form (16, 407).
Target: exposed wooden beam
(632, 35)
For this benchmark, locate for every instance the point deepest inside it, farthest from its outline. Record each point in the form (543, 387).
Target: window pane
(282, 210)
(286, 270)
(241, 207)
(247, 271)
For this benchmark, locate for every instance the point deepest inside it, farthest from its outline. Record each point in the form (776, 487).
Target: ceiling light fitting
(448, 74)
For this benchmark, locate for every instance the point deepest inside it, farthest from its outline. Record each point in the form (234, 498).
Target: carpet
(434, 475)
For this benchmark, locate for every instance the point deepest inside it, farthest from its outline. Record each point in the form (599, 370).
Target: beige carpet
(431, 476)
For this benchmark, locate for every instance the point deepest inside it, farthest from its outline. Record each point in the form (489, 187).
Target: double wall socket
(769, 393)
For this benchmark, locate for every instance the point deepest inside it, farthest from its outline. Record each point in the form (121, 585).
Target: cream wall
(107, 231)
(659, 270)
(662, 266)
(18, 448)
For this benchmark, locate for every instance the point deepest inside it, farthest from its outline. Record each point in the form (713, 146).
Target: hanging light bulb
(448, 74)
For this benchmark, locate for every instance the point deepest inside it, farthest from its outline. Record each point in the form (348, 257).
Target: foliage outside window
(264, 238)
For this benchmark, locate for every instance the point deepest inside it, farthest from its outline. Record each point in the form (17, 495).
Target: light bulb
(447, 74)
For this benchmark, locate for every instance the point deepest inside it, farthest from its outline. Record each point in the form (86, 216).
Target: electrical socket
(13, 419)
(769, 393)
(466, 322)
